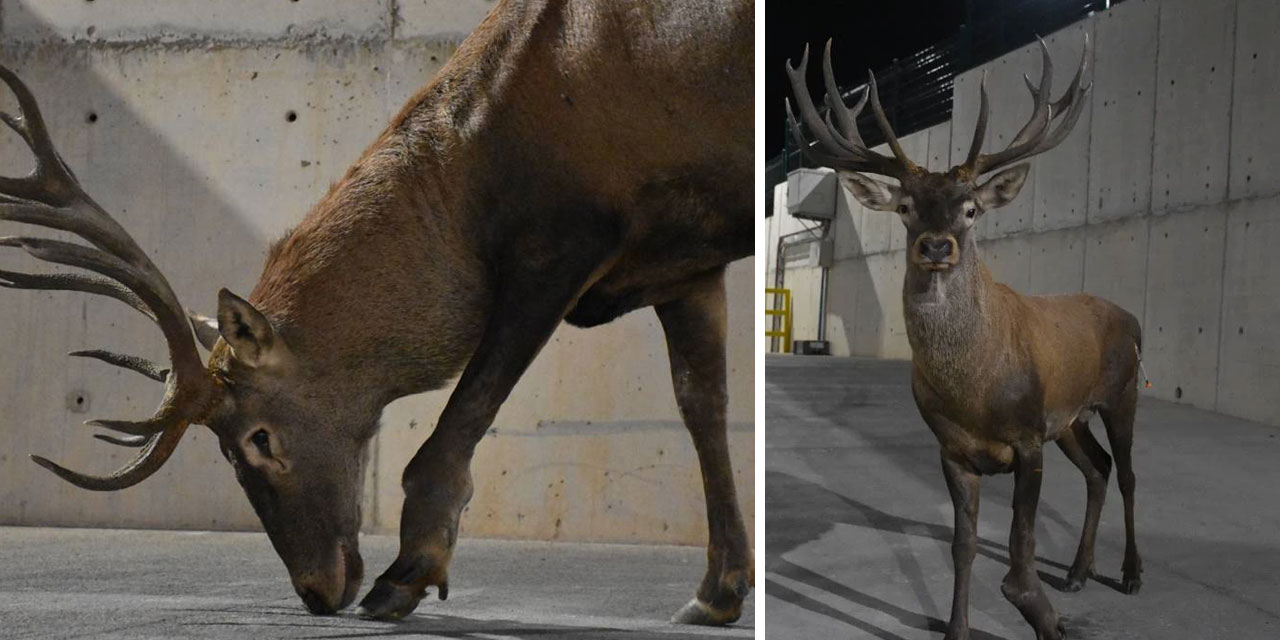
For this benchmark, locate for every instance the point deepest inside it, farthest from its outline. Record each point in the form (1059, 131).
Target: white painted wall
(1165, 199)
(191, 150)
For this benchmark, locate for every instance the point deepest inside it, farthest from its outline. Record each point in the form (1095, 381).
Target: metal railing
(784, 313)
(916, 91)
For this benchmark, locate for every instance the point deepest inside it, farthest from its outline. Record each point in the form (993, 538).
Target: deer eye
(971, 213)
(903, 209)
(262, 440)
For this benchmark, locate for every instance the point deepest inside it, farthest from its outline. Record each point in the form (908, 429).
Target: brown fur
(996, 375)
(573, 160)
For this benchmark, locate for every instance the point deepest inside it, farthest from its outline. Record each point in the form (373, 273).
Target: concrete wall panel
(1009, 260)
(1116, 263)
(1184, 303)
(44, 20)
(1062, 174)
(1057, 262)
(1255, 133)
(1193, 103)
(434, 19)
(852, 297)
(1124, 91)
(1250, 356)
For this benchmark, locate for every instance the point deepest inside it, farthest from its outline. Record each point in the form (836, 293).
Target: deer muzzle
(324, 592)
(935, 251)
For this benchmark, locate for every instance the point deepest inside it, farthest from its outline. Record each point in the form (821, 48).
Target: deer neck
(385, 278)
(950, 318)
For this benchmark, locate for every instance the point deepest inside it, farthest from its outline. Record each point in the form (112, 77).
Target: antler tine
(1038, 134)
(50, 169)
(51, 197)
(132, 363)
(980, 130)
(883, 122)
(848, 119)
(833, 149)
(74, 282)
(124, 441)
(155, 451)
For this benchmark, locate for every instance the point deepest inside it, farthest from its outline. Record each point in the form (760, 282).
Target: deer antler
(842, 147)
(51, 197)
(1035, 137)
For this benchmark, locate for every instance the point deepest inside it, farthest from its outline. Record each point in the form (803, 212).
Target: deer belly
(1055, 422)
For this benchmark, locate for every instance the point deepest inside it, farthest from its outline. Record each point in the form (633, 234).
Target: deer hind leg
(531, 297)
(1092, 460)
(695, 330)
(1021, 585)
(1119, 422)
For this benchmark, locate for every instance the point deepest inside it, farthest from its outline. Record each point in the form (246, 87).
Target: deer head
(938, 209)
(301, 471)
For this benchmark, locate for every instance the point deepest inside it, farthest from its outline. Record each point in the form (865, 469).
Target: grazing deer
(995, 374)
(574, 160)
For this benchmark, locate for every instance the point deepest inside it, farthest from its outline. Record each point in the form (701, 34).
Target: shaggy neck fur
(948, 318)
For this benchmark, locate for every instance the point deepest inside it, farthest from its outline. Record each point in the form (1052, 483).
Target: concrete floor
(859, 520)
(73, 583)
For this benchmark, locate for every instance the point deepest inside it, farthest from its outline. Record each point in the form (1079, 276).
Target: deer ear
(1003, 187)
(206, 329)
(872, 193)
(250, 334)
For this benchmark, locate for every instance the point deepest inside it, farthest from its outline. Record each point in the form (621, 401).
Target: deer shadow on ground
(822, 509)
(433, 625)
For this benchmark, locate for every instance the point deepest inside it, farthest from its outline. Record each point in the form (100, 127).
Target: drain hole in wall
(1177, 393)
(92, 117)
(291, 116)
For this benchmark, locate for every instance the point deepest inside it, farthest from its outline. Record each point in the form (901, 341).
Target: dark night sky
(868, 34)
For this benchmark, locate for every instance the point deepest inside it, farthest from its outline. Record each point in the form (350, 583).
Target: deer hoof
(1130, 584)
(389, 601)
(1076, 581)
(701, 613)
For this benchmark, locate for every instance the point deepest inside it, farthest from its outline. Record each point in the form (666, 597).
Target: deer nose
(935, 250)
(316, 603)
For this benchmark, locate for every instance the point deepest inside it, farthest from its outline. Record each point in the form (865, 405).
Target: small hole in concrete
(1177, 392)
(80, 399)
(291, 116)
(1199, 329)
(1241, 332)
(92, 117)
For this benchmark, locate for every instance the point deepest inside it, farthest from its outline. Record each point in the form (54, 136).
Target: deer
(995, 375)
(573, 161)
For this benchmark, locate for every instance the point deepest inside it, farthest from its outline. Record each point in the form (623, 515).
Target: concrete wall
(1165, 199)
(174, 116)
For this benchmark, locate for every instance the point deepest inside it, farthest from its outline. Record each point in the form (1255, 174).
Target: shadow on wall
(204, 156)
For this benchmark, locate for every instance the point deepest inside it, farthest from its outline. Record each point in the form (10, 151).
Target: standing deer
(995, 374)
(574, 160)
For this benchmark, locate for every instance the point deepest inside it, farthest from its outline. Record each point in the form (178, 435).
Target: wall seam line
(1227, 209)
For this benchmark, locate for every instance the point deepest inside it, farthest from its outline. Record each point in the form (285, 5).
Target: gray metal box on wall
(811, 194)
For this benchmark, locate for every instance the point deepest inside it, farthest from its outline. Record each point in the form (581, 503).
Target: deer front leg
(1021, 585)
(964, 486)
(528, 305)
(695, 330)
